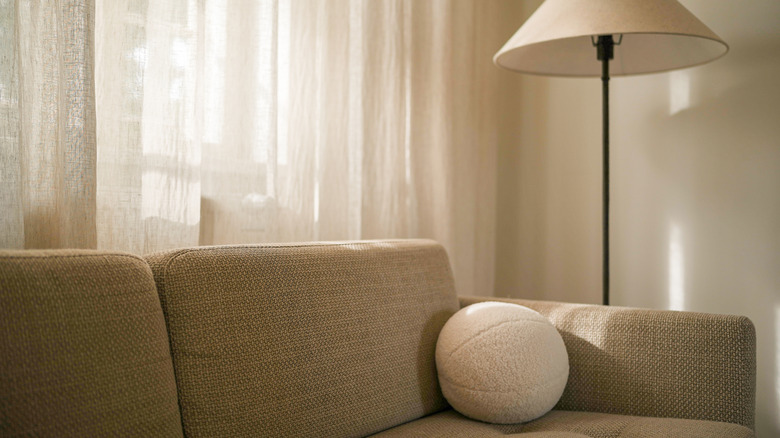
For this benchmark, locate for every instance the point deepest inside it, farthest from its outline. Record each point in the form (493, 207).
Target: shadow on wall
(711, 152)
(731, 204)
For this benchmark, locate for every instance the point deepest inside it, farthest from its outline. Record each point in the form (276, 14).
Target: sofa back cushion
(328, 339)
(84, 347)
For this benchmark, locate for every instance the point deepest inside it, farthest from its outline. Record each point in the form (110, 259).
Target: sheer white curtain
(47, 124)
(230, 121)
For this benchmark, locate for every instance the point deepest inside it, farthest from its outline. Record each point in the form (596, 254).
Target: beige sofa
(326, 339)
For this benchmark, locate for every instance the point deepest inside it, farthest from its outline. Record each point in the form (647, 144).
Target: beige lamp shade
(657, 35)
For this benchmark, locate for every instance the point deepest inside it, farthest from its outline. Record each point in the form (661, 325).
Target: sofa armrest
(654, 363)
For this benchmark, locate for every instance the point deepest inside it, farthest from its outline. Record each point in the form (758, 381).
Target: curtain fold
(48, 124)
(224, 121)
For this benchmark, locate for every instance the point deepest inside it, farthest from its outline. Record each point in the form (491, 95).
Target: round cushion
(501, 363)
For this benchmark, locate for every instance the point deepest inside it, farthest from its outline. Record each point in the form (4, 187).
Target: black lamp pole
(548, 43)
(605, 46)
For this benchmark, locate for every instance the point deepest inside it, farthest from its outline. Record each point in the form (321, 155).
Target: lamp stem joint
(606, 47)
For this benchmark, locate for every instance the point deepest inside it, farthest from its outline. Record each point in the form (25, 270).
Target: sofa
(326, 340)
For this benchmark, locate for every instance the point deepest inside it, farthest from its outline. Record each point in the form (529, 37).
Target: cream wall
(695, 188)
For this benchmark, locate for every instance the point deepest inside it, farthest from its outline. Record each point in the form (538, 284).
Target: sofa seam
(169, 334)
(69, 256)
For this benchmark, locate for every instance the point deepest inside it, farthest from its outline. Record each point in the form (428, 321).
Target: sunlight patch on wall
(679, 91)
(676, 269)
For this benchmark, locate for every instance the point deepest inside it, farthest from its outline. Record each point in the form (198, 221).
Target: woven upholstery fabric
(305, 340)
(654, 363)
(567, 424)
(84, 347)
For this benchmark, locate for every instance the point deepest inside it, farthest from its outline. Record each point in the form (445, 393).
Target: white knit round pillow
(501, 363)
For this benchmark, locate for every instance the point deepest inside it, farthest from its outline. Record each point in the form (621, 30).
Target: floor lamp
(579, 38)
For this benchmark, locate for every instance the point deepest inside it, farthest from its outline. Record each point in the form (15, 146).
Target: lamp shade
(657, 35)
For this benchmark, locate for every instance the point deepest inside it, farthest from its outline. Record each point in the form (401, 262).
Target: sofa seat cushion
(564, 424)
(328, 339)
(83, 347)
